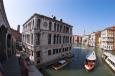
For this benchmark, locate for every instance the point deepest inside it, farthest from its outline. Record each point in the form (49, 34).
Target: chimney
(61, 20)
(54, 18)
(18, 28)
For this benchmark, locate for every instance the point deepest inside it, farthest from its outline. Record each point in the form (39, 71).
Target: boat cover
(91, 56)
(62, 61)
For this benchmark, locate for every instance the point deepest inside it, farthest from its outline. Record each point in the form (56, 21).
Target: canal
(76, 67)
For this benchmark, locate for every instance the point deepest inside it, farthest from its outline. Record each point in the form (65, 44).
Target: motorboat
(109, 59)
(59, 64)
(90, 61)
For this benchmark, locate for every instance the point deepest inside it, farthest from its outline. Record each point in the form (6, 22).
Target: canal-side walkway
(34, 71)
(12, 67)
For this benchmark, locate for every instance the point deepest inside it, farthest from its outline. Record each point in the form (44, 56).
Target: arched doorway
(3, 32)
(9, 45)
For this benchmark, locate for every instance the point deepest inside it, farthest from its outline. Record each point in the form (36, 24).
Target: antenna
(84, 32)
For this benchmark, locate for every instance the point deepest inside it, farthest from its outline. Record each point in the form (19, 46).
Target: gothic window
(57, 27)
(31, 38)
(50, 26)
(60, 50)
(38, 23)
(54, 51)
(54, 26)
(49, 39)
(37, 38)
(38, 53)
(49, 52)
(60, 39)
(54, 40)
(45, 24)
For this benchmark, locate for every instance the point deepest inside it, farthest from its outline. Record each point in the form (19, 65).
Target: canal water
(76, 66)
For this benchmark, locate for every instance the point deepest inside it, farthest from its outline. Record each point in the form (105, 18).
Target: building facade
(46, 39)
(114, 42)
(107, 38)
(98, 34)
(6, 39)
(85, 40)
(77, 40)
(92, 39)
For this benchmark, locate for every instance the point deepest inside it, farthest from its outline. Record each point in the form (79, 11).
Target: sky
(88, 15)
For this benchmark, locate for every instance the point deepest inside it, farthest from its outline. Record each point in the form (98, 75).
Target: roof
(3, 13)
(17, 35)
(77, 36)
(91, 56)
(110, 28)
(36, 14)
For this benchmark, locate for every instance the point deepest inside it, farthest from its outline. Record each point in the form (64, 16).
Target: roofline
(36, 14)
(4, 12)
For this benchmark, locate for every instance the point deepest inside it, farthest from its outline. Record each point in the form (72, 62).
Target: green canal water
(76, 66)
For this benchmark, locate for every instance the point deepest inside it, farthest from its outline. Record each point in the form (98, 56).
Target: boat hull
(61, 66)
(88, 67)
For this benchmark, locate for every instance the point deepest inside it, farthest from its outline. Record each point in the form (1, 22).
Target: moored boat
(58, 65)
(109, 59)
(90, 61)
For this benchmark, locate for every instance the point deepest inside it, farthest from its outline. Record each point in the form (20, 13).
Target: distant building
(85, 40)
(77, 39)
(107, 38)
(114, 42)
(97, 42)
(92, 39)
(46, 39)
(6, 39)
(17, 37)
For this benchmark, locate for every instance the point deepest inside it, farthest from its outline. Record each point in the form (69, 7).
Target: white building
(46, 39)
(107, 38)
(85, 40)
(92, 39)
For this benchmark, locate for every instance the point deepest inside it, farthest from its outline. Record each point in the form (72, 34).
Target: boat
(90, 61)
(60, 64)
(109, 59)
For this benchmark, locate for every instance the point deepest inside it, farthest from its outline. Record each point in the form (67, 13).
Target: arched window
(38, 23)
(50, 26)
(45, 24)
(8, 41)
